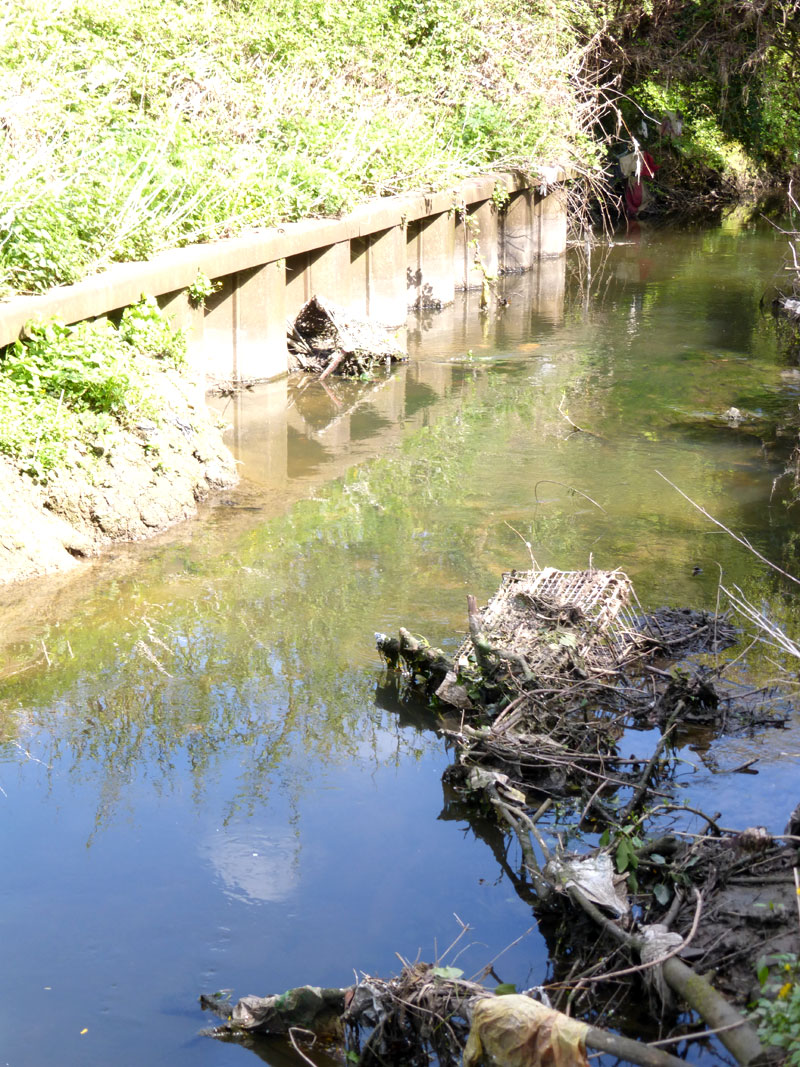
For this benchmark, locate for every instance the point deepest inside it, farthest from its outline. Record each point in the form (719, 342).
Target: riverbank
(103, 441)
(171, 122)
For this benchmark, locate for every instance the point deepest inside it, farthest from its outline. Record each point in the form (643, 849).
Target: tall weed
(132, 127)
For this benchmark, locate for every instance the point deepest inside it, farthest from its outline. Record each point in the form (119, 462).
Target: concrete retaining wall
(383, 258)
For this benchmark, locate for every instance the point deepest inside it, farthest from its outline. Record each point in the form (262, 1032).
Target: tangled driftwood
(534, 704)
(324, 339)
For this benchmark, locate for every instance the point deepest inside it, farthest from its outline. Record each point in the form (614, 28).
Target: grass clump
(69, 384)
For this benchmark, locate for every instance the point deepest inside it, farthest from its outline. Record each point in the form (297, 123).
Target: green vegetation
(201, 289)
(75, 383)
(131, 127)
(777, 1012)
(729, 68)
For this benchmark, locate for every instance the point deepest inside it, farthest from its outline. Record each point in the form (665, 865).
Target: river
(207, 782)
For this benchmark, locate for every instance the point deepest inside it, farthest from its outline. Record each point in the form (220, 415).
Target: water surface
(206, 781)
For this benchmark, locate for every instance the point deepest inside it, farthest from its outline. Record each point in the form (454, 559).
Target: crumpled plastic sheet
(658, 942)
(515, 1031)
(594, 876)
(367, 1004)
(479, 778)
(306, 1007)
(547, 176)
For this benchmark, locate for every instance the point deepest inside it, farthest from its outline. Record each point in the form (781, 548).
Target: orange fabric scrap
(515, 1031)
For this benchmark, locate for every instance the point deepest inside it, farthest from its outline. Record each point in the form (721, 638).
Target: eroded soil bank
(127, 484)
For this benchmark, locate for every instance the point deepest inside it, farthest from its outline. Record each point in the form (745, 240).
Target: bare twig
(569, 488)
(699, 1035)
(293, 1031)
(741, 540)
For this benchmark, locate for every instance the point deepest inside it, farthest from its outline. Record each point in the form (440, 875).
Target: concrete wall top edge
(166, 272)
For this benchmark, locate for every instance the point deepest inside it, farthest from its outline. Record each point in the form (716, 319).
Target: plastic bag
(515, 1031)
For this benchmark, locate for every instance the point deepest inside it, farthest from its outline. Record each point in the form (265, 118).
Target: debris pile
(644, 905)
(324, 339)
(535, 704)
(425, 1014)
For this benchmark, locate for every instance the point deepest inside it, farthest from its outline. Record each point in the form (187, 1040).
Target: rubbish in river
(534, 704)
(594, 875)
(307, 1007)
(424, 1014)
(550, 641)
(555, 668)
(517, 1031)
(325, 339)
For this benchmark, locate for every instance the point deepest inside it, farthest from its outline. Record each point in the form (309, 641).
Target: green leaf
(623, 855)
(662, 893)
(656, 858)
(762, 972)
(447, 972)
(504, 989)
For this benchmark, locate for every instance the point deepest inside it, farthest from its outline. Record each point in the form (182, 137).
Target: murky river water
(206, 782)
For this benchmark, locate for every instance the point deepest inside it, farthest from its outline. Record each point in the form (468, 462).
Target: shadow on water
(206, 781)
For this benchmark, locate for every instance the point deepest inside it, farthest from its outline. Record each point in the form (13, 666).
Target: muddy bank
(128, 484)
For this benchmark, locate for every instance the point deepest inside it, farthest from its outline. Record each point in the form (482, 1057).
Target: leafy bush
(34, 433)
(39, 247)
(81, 364)
(148, 331)
(67, 384)
(777, 1012)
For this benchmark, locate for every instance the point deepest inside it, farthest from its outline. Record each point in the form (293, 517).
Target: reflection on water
(253, 866)
(206, 781)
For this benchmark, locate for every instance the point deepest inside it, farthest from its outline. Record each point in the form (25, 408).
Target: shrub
(147, 330)
(777, 1012)
(67, 384)
(81, 364)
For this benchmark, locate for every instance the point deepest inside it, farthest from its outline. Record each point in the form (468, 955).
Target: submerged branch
(741, 540)
(735, 1032)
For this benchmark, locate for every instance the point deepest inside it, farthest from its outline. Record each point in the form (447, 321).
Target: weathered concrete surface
(430, 278)
(378, 278)
(171, 271)
(242, 335)
(321, 272)
(131, 485)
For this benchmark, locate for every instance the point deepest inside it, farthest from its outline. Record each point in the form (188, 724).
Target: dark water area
(207, 781)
